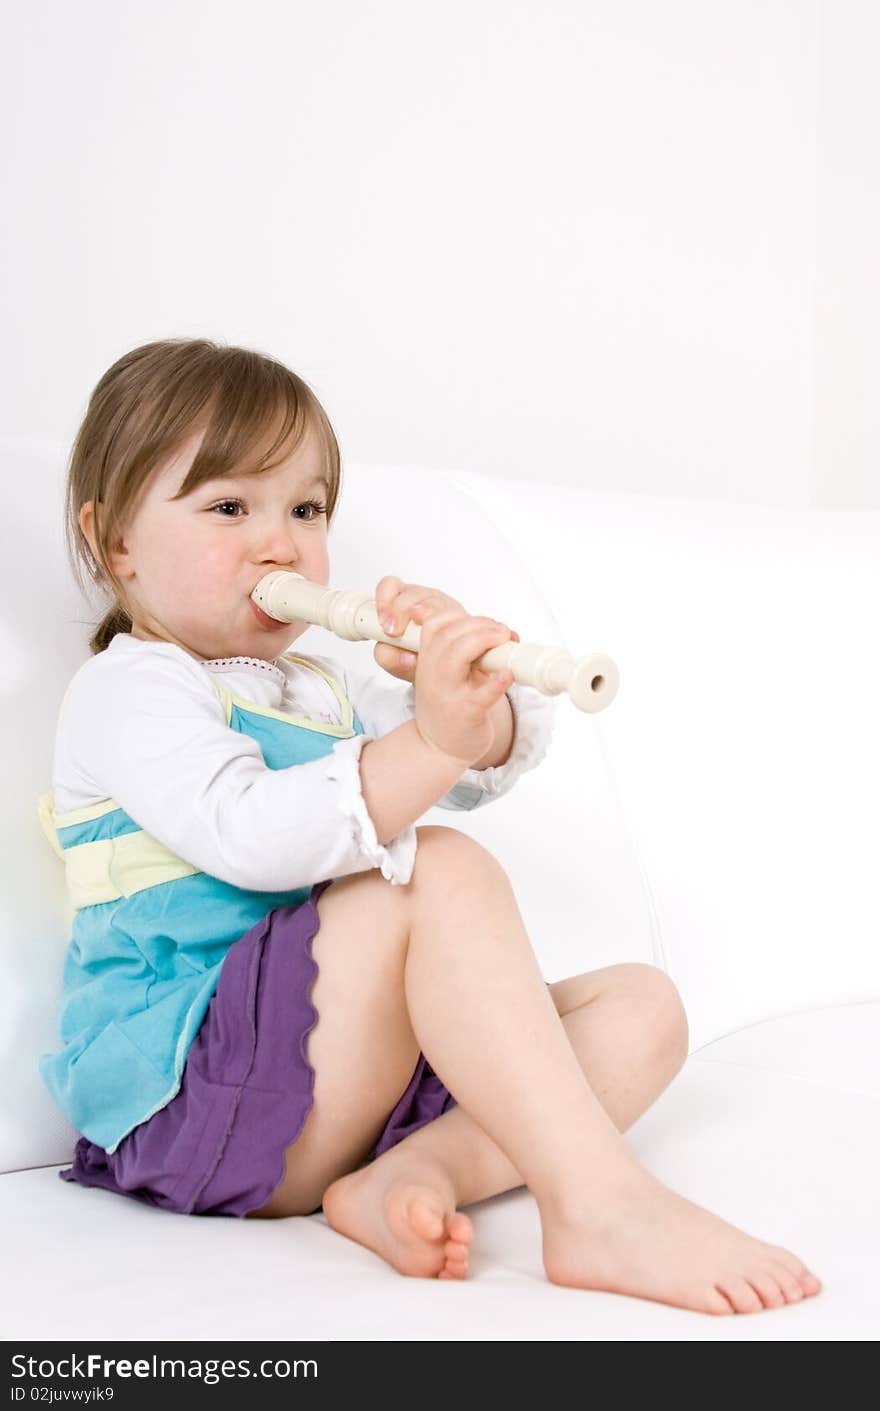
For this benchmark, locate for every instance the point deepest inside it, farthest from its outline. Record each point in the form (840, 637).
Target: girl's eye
(315, 505)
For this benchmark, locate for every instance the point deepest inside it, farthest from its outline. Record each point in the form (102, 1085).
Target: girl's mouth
(263, 618)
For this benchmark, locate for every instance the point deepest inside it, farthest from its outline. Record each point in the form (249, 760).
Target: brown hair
(145, 406)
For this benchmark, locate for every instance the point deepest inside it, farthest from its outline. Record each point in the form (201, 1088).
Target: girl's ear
(87, 516)
(86, 524)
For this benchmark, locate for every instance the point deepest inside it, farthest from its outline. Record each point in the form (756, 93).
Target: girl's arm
(383, 704)
(503, 723)
(146, 732)
(402, 777)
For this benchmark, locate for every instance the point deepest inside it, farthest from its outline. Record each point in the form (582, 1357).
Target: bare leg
(629, 1035)
(628, 1030)
(488, 1026)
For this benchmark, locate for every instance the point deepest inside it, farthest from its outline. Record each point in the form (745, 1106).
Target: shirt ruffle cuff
(397, 858)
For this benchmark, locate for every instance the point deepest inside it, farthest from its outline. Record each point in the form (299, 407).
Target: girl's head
(197, 470)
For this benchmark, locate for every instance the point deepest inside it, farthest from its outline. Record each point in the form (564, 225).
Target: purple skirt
(218, 1147)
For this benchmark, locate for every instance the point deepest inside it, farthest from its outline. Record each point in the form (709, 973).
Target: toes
(460, 1227)
(453, 1250)
(458, 1246)
(771, 1287)
(438, 1228)
(426, 1219)
(807, 1280)
(741, 1294)
(790, 1261)
(454, 1271)
(431, 1222)
(459, 1264)
(766, 1285)
(790, 1285)
(718, 1302)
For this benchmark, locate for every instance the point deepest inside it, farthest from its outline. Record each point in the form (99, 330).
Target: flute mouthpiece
(263, 593)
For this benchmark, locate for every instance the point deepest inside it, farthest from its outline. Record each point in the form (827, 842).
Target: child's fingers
(454, 625)
(468, 640)
(496, 679)
(412, 603)
(497, 682)
(440, 622)
(462, 641)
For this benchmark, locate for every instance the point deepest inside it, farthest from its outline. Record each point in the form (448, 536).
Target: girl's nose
(279, 546)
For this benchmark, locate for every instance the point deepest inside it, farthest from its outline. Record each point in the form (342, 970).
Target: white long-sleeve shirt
(143, 724)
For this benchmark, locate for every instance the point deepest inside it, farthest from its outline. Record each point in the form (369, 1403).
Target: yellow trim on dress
(44, 810)
(50, 821)
(344, 703)
(323, 727)
(345, 707)
(109, 868)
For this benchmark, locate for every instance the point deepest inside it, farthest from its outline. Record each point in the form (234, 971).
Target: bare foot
(650, 1242)
(405, 1213)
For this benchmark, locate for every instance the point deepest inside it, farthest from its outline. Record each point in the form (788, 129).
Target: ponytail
(116, 620)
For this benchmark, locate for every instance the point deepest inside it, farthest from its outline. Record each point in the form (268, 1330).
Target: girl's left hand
(405, 603)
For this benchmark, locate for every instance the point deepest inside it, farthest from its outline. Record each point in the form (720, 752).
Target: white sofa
(719, 819)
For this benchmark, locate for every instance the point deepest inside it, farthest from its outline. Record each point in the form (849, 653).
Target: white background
(620, 244)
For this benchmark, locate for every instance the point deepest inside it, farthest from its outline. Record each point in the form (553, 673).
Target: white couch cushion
(744, 737)
(791, 1157)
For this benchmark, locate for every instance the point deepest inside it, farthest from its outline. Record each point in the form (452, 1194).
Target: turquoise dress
(149, 936)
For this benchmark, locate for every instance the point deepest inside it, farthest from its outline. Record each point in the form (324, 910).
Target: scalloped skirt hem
(217, 1148)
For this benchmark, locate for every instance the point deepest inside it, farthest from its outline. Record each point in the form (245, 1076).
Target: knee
(665, 1015)
(439, 835)
(445, 852)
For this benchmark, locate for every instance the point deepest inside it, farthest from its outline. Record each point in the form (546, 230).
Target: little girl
(243, 1039)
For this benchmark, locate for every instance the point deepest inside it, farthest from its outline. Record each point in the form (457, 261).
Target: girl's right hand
(454, 698)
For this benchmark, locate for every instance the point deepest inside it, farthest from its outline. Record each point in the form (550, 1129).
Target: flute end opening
(593, 683)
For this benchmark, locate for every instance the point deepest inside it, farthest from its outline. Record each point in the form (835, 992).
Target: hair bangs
(245, 413)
